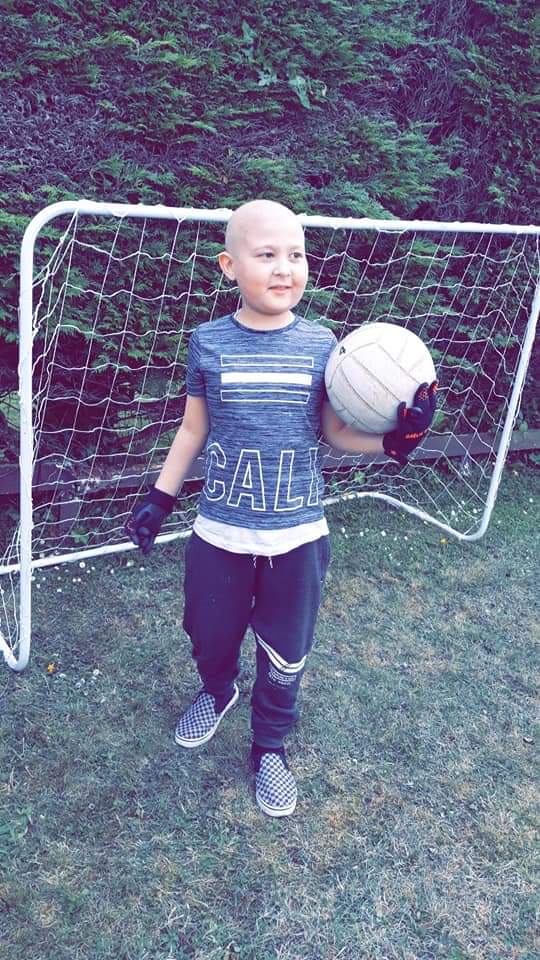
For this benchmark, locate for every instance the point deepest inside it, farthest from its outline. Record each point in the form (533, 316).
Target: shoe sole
(208, 736)
(275, 811)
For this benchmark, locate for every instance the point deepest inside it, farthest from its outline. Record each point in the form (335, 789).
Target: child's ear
(226, 263)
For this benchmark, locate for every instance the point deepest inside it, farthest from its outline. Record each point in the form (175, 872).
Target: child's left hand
(412, 423)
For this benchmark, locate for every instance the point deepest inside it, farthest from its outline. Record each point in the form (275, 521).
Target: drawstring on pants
(254, 557)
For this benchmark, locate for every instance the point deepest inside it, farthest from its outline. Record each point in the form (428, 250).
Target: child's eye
(297, 255)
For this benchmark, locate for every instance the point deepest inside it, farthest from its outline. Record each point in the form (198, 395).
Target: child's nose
(282, 266)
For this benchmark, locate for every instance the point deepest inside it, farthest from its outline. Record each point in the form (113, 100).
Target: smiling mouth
(280, 287)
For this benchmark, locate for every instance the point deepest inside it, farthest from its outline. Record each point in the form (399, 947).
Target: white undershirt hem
(259, 543)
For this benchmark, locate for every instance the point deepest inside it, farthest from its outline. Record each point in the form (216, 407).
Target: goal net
(109, 296)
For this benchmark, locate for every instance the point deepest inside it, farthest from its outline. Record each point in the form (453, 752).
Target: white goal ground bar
(180, 214)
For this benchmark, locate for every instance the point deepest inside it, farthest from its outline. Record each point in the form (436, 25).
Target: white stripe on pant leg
(278, 661)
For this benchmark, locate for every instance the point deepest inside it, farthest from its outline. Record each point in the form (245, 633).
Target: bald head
(254, 218)
(266, 257)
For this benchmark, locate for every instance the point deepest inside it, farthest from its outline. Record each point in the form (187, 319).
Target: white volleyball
(372, 370)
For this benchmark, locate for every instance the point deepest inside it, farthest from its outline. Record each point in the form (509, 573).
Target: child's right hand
(145, 521)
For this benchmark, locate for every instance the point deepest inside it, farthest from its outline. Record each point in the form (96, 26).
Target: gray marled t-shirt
(264, 390)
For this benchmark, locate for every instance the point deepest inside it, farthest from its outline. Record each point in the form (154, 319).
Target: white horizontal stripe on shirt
(262, 395)
(256, 376)
(264, 360)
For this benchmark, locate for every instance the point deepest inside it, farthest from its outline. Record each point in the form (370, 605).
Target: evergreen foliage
(372, 108)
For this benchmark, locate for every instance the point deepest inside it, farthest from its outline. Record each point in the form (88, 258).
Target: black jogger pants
(279, 598)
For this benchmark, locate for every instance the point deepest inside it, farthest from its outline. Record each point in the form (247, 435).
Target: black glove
(145, 521)
(412, 423)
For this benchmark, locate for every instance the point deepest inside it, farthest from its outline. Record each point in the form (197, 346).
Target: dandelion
(443, 540)
(52, 667)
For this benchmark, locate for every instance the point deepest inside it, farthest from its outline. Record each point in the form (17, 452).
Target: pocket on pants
(325, 555)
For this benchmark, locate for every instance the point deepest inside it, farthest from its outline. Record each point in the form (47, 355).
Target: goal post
(107, 302)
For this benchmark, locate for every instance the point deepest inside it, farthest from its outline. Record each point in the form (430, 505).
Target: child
(259, 549)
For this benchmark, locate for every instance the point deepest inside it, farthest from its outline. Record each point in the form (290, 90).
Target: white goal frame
(27, 563)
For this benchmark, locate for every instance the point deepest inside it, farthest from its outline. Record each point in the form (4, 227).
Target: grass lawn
(414, 835)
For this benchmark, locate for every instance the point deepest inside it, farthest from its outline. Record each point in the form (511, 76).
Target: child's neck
(260, 322)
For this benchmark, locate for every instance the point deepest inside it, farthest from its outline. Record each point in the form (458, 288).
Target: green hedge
(375, 108)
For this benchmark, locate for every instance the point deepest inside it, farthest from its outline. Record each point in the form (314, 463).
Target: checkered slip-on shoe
(275, 787)
(200, 721)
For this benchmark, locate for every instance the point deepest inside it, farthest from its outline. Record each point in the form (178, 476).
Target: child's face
(268, 261)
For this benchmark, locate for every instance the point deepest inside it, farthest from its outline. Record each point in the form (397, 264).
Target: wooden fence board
(49, 475)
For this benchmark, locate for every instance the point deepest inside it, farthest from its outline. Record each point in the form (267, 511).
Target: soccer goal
(109, 295)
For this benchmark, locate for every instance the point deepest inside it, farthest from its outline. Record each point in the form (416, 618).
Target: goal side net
(109, 296)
